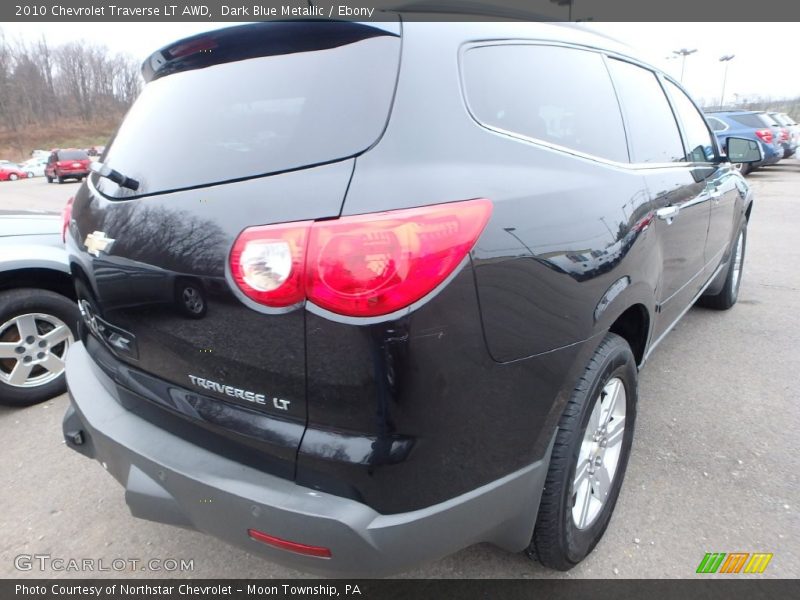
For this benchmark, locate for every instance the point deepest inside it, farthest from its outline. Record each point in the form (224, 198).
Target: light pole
(726, 59)
(684, 53)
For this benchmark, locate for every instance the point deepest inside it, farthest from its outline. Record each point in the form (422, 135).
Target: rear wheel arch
(633, 325)
(43, 278)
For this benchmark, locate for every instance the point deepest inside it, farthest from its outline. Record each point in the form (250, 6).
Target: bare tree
(40, 83)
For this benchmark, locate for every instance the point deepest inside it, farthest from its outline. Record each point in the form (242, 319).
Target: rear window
(753, 120)
(298, 104)
(72, 155)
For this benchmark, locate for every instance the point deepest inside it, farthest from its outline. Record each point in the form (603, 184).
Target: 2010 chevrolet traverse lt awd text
(393, 298)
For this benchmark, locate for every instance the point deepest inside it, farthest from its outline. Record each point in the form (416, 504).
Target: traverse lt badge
(235, 392)
(97, 242)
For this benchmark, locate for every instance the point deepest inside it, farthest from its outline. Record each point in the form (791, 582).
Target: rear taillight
(765, 135)
(784, 135)
(66, 217)
(364, 265)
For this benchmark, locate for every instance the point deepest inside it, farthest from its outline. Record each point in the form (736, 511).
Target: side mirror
(741, 150)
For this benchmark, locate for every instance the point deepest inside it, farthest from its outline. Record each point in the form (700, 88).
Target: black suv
(430, 259)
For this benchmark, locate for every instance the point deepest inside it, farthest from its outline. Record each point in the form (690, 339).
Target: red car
(67, 164)
(9, 173)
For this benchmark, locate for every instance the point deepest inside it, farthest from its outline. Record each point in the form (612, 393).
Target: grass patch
(17, 145)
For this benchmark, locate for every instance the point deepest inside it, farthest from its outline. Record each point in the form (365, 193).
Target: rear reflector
(295, 547)
(363, 265)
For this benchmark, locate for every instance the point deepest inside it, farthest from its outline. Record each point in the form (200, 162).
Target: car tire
(49, 179)
(729, 293)
(44, 311)
(744, 168)
(30, 174)
(12, 177)
(60, 179)
(574, 512)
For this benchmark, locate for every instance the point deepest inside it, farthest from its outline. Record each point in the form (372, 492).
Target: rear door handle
(668, 213)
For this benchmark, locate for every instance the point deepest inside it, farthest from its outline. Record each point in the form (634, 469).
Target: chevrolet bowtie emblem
(97, 242)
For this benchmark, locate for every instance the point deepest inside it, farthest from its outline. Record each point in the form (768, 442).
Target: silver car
(38, 313)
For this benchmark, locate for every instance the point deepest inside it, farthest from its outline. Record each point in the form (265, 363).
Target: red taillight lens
(66, 217)
(765, 135)
(295, 547)
(268, 262)
(364, 265)
(373, 265)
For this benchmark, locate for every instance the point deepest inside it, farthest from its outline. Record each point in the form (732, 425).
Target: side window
(699, 142)
(716, 124)
(558, 95)
(653, 134)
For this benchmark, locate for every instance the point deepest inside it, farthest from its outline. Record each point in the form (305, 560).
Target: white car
(34, 167)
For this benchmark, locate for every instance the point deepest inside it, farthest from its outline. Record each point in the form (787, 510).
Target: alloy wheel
(32, 349)
(599, 454)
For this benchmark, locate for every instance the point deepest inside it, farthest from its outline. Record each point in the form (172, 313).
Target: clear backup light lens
(267, 263)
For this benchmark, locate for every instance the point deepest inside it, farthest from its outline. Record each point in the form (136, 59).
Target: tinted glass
(254, 117)
(779, 119)
(751, 120)
(652, 131)
(716, 124)
(559, 95)
(699, 140)
(72, 155)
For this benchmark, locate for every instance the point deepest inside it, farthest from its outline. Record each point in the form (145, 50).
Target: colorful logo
(734, 562)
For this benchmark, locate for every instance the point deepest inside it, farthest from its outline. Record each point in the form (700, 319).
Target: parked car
(38, 313)
(748, 124)
(34, 167)
(793, 129)
(444, 265)
(12, 172)
(67, 164)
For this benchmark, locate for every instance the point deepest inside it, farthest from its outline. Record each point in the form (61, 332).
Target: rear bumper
(71, 172)
(169, 480)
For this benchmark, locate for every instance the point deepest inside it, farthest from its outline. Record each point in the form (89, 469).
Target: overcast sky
(765, 61)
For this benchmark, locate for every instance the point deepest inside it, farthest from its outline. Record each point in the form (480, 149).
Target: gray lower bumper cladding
(169, 480)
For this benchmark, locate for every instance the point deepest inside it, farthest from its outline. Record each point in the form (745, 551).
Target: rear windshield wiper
(115, 176)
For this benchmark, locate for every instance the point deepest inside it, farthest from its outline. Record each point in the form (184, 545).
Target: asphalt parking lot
(715, 465)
